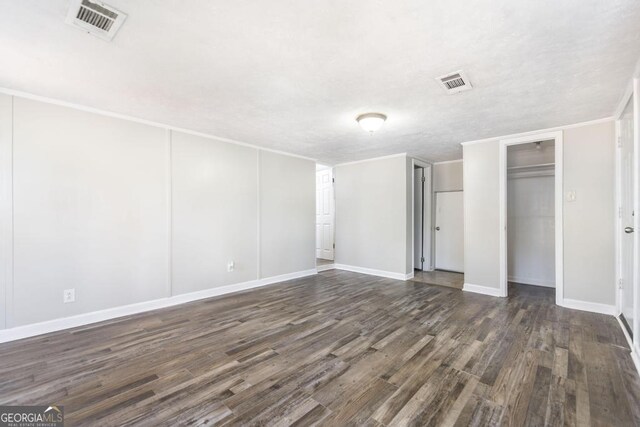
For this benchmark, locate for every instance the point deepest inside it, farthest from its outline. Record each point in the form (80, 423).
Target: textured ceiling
(292, 75)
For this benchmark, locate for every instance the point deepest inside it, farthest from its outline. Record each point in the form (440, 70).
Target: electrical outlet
(69, 295)
(230, 266)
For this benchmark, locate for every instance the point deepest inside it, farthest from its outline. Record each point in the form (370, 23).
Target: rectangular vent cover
(96, 18)
(455, 82)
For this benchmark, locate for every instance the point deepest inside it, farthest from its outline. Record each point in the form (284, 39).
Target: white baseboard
(26, 331)
(373, 272)
(485, 290)
(533, 282)
(593, 307)
(634, 352)
(325, 267)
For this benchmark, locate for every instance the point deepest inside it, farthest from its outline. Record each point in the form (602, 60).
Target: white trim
(593, 307)
(618, 217)
(559, 238)
(633, 351)
(47, 100)
(391, 156)
(374, 272)
(628, 94)
(636, 202)
(485, 290)
(419, 163)
(533, 132)
(325, 267)
(26, 331)
(631, 94)
(448, 161)
(421, 160)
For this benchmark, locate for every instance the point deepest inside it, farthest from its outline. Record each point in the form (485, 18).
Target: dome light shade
(371, 122)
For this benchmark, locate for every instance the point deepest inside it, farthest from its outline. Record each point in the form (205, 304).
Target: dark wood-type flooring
(335, 349)
(439, 277)
(320, 261)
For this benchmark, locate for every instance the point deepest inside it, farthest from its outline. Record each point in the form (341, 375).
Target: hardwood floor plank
(338, 348)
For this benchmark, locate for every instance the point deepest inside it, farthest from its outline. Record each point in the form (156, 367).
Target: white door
(626, 238)
(449, 231)
(324, 214)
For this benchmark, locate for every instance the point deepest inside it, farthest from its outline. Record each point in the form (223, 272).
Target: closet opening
(531, 214)
(531, 198)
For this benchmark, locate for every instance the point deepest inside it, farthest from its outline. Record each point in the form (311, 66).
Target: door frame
(633, 96)
(558, 186)
(427, 222)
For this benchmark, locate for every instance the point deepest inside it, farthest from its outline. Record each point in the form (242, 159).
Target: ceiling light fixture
(371, 122)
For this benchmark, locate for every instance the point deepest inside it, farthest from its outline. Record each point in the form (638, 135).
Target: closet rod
(541, 165)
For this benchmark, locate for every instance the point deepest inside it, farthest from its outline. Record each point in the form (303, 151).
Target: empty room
(324, 213)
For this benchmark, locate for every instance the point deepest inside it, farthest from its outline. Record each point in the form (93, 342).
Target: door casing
(558, 188)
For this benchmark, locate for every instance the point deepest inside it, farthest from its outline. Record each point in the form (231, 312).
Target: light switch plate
(571, 196)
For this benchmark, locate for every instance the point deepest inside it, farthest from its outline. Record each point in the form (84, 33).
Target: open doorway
(325, 218)
(421, 217)
(531, 215)
(438, 220)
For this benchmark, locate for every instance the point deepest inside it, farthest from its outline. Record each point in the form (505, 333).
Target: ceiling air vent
(455, 82)
(95, 17)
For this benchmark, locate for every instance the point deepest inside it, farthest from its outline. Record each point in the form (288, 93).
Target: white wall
(90, 210)
(531, 234)
(126, 212)
(372, 210)
(481, 215)
(588, 221)
(287, 214)
(447, 176)
(214, 212)
(6, 208)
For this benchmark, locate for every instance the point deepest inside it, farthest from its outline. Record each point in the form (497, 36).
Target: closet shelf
(532, 167)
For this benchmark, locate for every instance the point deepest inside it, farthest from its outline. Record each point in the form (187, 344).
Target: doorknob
(629, 230)
(437, 228)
